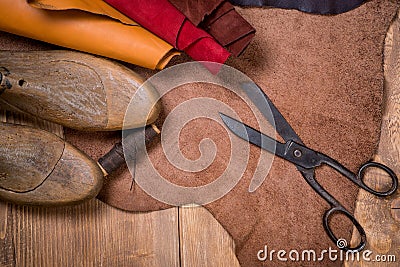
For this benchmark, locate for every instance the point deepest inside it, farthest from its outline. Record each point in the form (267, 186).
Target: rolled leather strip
(229, 28)
(310, 6)
(164, 20)
(220, 19)
(86, 31)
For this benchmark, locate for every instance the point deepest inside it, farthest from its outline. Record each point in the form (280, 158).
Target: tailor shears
(305, 159)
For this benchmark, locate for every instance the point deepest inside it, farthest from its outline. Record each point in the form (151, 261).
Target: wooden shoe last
(75, 90)
(39, 168)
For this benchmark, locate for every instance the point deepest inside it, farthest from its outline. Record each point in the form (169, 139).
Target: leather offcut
(220, 19)
(164, 20)
(93, 28)
(325, 7)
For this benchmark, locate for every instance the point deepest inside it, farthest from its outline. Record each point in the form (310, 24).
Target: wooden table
(95, 234)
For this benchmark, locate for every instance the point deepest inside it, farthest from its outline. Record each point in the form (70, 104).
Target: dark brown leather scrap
(196, 11)
(325, 7)
(220, 19)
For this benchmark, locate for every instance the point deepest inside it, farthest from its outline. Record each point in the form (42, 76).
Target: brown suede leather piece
(220, 19)
(229, 28)
(325, 75)
(196, 11)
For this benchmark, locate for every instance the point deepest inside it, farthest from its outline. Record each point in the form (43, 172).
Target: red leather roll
(168, 23)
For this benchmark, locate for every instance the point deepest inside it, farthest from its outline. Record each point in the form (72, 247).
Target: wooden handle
(115, 157)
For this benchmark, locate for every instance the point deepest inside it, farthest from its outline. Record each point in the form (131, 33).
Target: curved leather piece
(220, 19)
(164, 20)
(325, 7)
(93, 6)
(88, 32)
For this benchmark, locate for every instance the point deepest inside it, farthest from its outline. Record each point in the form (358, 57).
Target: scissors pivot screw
(297, 153)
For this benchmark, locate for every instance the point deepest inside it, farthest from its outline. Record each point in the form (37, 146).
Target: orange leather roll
(89, 26)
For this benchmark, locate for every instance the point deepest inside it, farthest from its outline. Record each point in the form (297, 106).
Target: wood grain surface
(204, 241)
(95, 234)
(40, 168)
(76, 90)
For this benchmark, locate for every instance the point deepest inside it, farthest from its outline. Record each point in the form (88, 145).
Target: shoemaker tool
(38, 167)
(75, 90)
(305, 159)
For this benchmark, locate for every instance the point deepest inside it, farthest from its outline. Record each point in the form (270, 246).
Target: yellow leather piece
(87, 31)
(93, 6)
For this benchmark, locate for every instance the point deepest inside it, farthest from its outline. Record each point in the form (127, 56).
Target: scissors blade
(305, 163)
(262, 101)
(253, 136)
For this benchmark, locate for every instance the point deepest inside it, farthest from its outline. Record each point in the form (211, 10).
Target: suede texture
(325, 75)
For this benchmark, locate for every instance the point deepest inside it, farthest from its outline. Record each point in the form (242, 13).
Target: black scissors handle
(307, 158)
(358, 178)
(336, 207)
(342, 243)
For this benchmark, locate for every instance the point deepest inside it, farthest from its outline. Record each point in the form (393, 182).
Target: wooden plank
(7, 249)
(94, 234)
(3, 206)
(6, 241)
(204, 242)
(380, 216)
